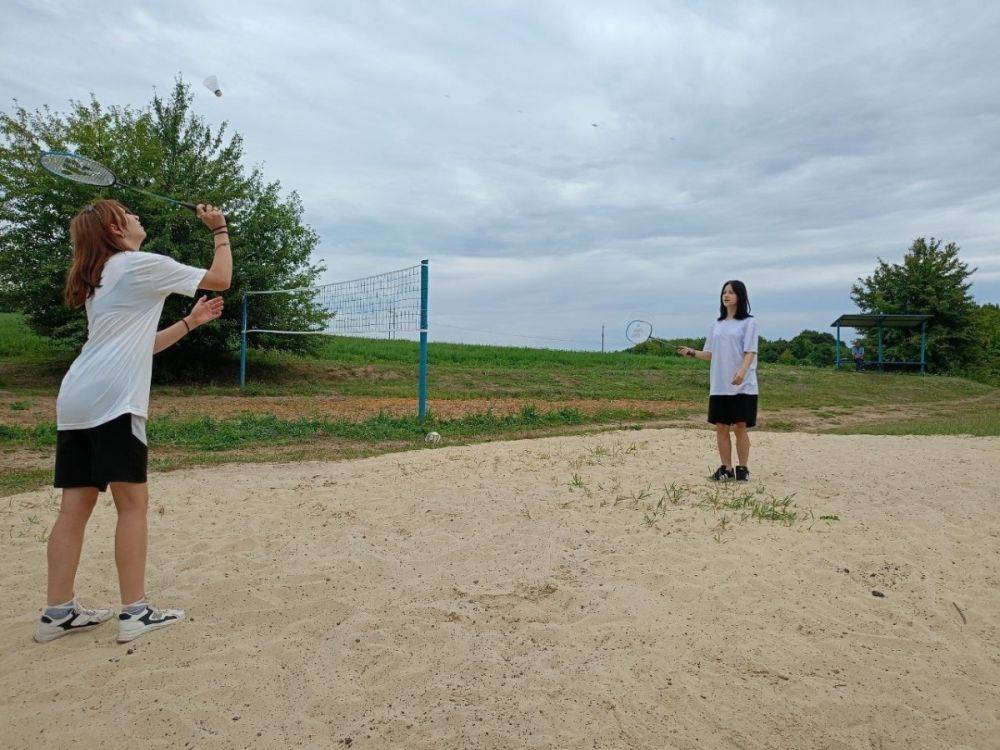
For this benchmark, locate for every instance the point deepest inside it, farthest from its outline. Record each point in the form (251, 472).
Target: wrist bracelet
(220, 230)
(184, 321)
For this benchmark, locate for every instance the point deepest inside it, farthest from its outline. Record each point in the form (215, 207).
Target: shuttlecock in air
(212, 84)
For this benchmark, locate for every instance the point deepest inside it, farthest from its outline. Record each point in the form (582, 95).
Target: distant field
(357, 397)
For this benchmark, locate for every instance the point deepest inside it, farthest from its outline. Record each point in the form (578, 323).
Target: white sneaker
(79, 619)
(131, 627)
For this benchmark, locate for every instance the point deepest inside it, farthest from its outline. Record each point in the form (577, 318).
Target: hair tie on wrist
(220, 230)
(184, 321)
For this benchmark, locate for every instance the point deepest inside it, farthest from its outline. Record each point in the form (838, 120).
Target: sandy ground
(532, 594)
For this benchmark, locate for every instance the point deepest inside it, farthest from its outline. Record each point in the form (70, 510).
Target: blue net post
(422, 387)
(243, 345)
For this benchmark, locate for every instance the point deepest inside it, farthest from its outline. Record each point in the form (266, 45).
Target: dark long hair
(93, 243)
(742, 300)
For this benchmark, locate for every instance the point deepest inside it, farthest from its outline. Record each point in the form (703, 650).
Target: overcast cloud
(568, 165)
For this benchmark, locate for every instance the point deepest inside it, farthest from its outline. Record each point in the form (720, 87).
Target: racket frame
(114, 178)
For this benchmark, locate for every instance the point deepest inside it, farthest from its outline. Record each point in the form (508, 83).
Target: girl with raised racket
(104, 398)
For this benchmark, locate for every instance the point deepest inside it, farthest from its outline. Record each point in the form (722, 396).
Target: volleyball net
(382, 305)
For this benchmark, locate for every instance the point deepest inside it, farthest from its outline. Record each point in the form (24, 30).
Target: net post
(243, 345)
(422, 386)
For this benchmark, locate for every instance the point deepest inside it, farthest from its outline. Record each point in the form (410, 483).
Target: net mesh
(386, 303)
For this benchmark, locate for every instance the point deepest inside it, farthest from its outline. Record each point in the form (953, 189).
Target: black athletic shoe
(742, 474)
(722, 474)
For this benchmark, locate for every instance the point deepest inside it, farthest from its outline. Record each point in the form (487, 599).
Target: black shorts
(98, 455)
(732, 409)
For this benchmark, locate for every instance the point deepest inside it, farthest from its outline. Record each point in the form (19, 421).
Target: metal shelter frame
(882, 321)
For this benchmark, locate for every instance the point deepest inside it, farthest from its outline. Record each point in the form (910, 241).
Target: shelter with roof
(881, 321)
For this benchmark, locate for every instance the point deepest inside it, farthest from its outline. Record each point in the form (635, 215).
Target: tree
(166, 147)
(814, 348)
(931, 280)
(985, 367)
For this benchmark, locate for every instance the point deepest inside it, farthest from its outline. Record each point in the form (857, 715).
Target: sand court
(572, 592)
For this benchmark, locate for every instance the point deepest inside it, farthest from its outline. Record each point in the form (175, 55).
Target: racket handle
(189, 206)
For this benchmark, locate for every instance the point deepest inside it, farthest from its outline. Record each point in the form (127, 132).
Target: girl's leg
(742, 443)
(66, 542)
(725, 445)
(132, 500)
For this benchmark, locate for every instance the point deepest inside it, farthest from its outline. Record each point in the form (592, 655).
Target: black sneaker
(722, 474)
(742, 474)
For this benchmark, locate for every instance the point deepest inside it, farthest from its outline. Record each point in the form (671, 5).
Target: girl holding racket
(103, 402)
(732, 403)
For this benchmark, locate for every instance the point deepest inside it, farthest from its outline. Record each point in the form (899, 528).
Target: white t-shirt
(728, 341)
(111, 376)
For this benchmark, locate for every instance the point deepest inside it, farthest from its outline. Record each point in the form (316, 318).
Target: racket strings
(78, 169)
(638, 331)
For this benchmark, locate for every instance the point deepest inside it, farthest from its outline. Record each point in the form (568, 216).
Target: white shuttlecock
(212, 84)
(433, 437)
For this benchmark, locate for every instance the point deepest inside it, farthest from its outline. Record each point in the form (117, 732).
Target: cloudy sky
(570, 164)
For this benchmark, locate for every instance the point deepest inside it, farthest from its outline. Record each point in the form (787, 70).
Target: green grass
(18, 342)
(982, 423)
(382, 368)
(249, 430)
(758, 504)
(19, 480)
(31, 365)
(469, 371)
(28, 362)
(732, 505)
(43, 435)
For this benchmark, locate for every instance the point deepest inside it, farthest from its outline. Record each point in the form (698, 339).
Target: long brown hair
(93, 243)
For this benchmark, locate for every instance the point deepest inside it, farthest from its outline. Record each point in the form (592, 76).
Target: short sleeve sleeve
(708, 339)
(164, 275)
(750, 336)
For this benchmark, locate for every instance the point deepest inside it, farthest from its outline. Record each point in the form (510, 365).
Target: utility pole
(602, 338)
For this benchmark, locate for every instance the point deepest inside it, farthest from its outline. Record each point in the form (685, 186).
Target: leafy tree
(168, 149)
(815, 348)
(931, 280)
(985, 366)
(665, 347)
